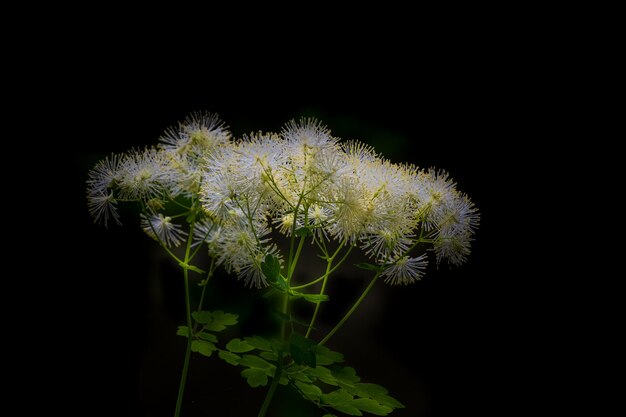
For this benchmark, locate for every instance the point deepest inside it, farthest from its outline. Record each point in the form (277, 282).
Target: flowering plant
(253, 204)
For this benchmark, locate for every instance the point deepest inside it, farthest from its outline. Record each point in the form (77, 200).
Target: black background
(453, 343)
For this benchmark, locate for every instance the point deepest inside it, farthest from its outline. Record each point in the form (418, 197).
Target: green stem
(352, 309)
(315, 281)
(319, 303)
(183, 377)
(272, 390)
(329, 264)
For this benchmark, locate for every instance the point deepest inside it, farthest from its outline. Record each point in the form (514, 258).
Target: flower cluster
(301, 181)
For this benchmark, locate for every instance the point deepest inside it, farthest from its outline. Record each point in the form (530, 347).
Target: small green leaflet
(259, 342)
(203, 347)
(304, 231)
(271, 270)
(221, 320)
(202, 317)
(310, 391)
(371, 406)
(183, 331)
(209, 337)
(255, 377)
(336, 397)
(229, 357)
(215, 321)
(253, 361)
(313, 298)
(326, 356)
(238, 346)
(302, 350)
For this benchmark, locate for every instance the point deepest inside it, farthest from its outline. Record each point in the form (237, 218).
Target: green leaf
(304, 231)
(183, 331)
(255, 377)
(388, 401)
(209, 337)
(326, 356)
(378, 393)
(310, 391)
(368, 266)
(270, 356)
(346, 375)
(259, 342)
(238, 346)
(370, 390)
(302, 357)
(203, 347)
(229, 357)
(337, 397)
(348, 409)
(329, 415)
(371, 406)
(296, 339)
(322, 373)
(202, 317)
(221, 320)
(302, 378)
(315, 298)
(301, 350)
(271, 268)
(253, 361)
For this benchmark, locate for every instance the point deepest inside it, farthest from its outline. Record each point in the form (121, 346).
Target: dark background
(453, 343)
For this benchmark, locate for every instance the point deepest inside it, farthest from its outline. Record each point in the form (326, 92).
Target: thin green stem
(329, 264)
(272, 390)
(337, 265)
(295, 259)
(183, 377)
(352, 309)
(206, 284)
(319, 303)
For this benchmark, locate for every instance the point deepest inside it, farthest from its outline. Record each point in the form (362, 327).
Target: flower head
(406, 270)
(161, 229)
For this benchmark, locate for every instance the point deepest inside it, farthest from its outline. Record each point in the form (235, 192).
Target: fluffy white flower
(162, 229)
(198, 134)
(406, 270)
(188, 145)
(102, 207)
(241, 248)
(103, 176)
(101, 184)
(386, 244)
(144, 173)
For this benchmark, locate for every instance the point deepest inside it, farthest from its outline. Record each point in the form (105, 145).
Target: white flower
(406, 270)
(103, 176)
(204, 232)
(308, 134)
(196, 135)
(144, 173)
(454, 248)
(433, 190)
(241, 248)
(161, 228)
(189, 145)
(102, 207)
(386, 243)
